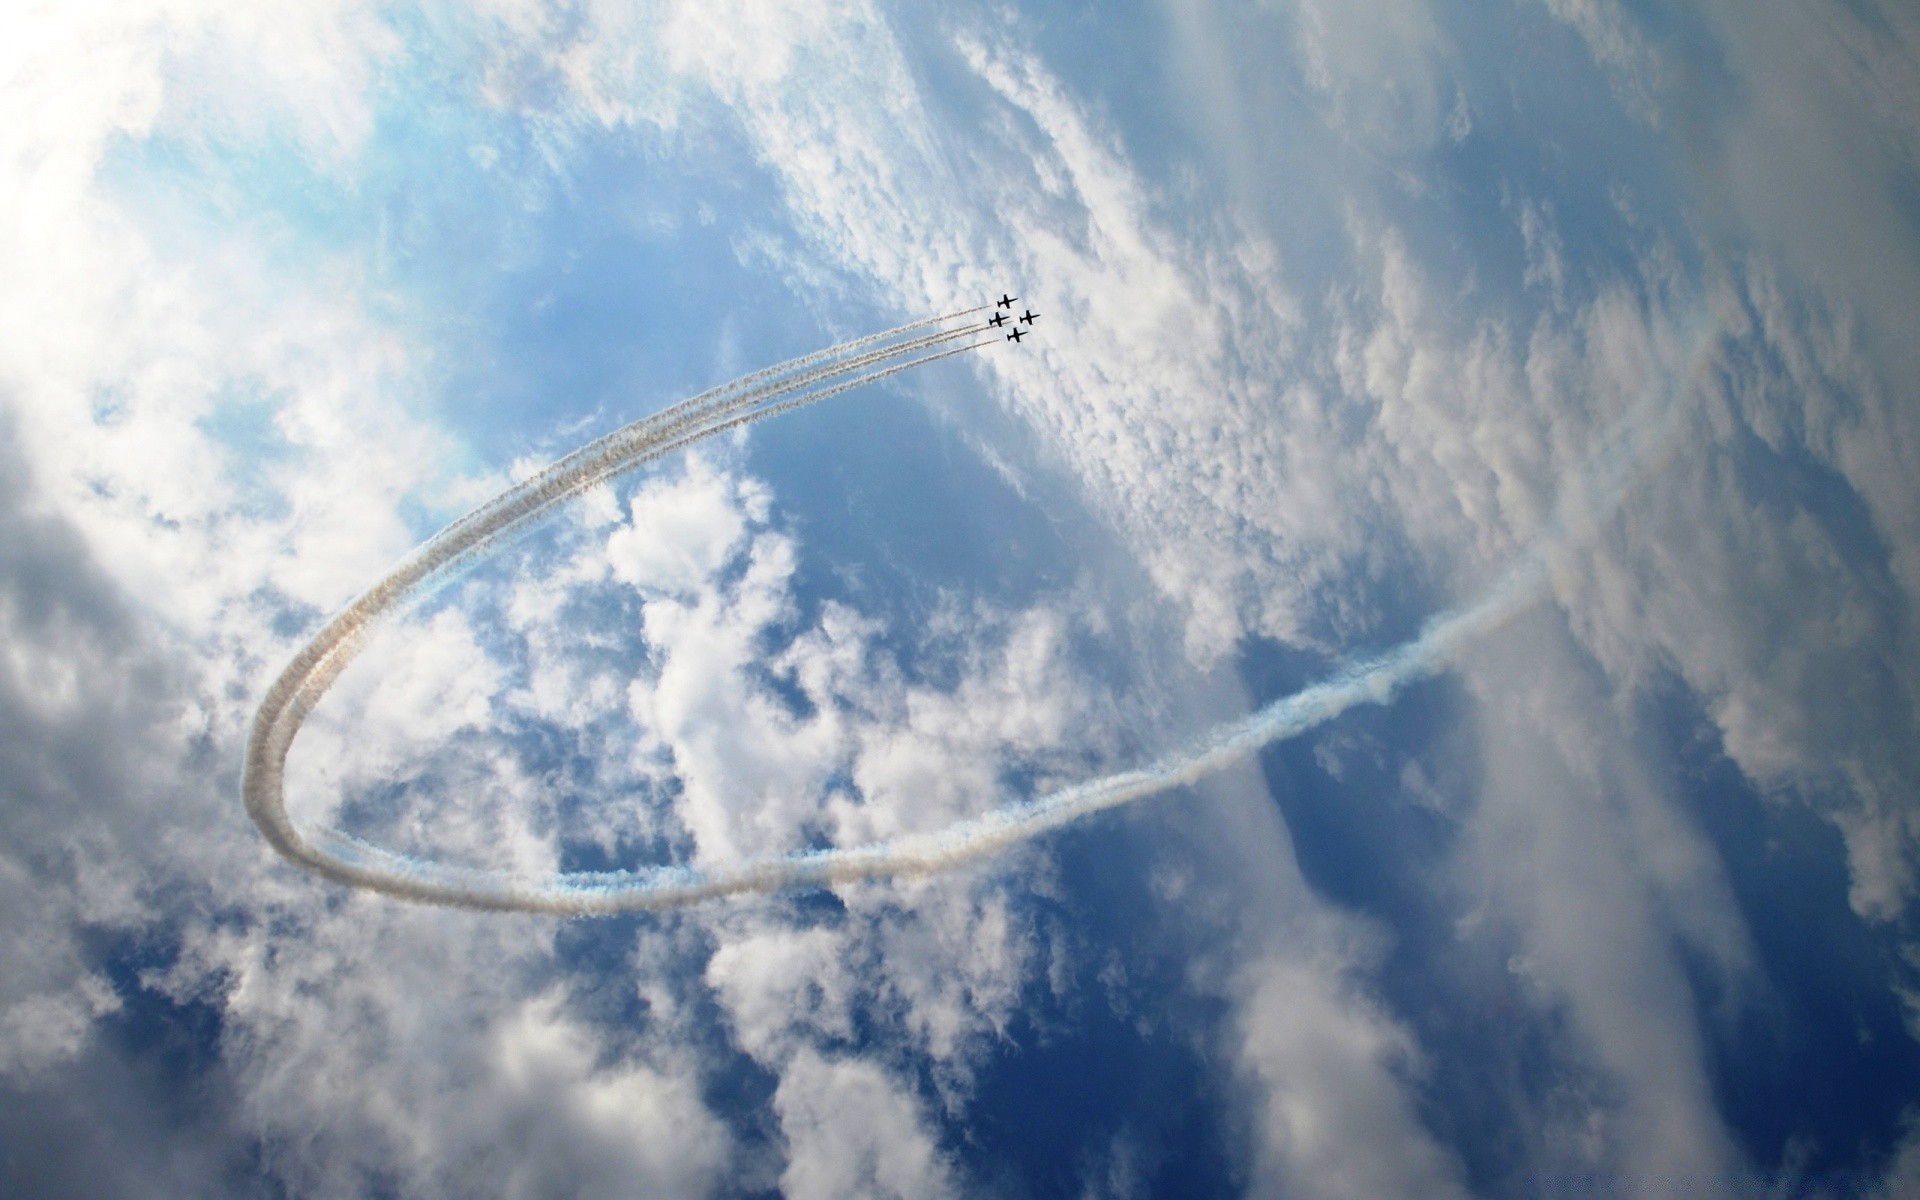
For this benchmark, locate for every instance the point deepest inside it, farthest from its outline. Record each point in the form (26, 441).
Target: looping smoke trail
(346, 859)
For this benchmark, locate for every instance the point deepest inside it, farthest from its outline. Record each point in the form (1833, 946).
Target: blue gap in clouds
(1815, 1074)
(600, 961)
(1359, 843)
(147, 1106)
(180, 1039)
(618, 300)
(1547, 129)
(1364, 841)
(1071, 1074)
(241, 421)
(893, 511)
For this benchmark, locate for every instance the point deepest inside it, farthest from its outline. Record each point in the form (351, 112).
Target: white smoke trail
(345, 859)
(754, 379)
(471, 538)
(475, 536)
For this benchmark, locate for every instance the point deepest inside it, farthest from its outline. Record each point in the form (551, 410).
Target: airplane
(1030, 316)
(997, 320)
(1006, 301)
(1016, 335)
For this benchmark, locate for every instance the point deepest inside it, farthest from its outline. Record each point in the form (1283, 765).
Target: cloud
(681, 532)
(1310, 455)
(91, 760)
(618, 1130)
(1604, 886)
(380, 1042)
(850, 1131)
(156, 566)
(772, 735)
(1250, 482)
(1377, 70)
(1325, 1067)
(779, 983)
(750, 770)
(1641, 75)
(1255, 480)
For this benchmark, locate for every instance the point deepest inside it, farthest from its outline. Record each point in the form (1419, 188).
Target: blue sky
(1342, 307)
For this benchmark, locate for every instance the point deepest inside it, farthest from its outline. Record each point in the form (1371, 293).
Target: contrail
(471, 538)
(348, 860)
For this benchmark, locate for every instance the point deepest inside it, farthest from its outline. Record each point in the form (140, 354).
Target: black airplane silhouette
(997, 320)
(1006, 301)
(1016, 335)
(1030, 316)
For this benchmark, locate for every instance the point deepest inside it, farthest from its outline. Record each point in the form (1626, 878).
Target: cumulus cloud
(851, 1131)
(94, 721)
(389, 1043)
(681, 532)
(1325, 1068)
(153, 574)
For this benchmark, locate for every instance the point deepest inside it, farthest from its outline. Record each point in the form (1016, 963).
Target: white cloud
(778, 983)
(378, 1041)
(1270, 451)
(933, 968)
(1377, 69)
(1251, 482)
(139, 328)
(418, 684)
(366, 1043)
(1333, 1117)
(753, 771)
(648, 1130)
(749, 769)
(682, 531)
(853, 1132)
(47, 1029)
(1575, 848)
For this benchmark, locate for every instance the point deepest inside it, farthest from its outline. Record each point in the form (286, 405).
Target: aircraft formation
(1000, 319)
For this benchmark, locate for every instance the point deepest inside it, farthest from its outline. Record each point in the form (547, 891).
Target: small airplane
(1006, 301)
(1016, 335)
(1029, 318)
(997, 320)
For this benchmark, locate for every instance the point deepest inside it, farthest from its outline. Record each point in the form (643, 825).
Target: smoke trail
(806, 360)
(480, 533)
(473, 537)
(351, 860)
(1645, 434)
(306, 679)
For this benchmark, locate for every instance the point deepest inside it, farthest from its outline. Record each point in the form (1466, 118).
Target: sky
(1561, 349)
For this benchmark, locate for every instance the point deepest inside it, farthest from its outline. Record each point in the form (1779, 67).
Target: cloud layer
(1340, 300)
